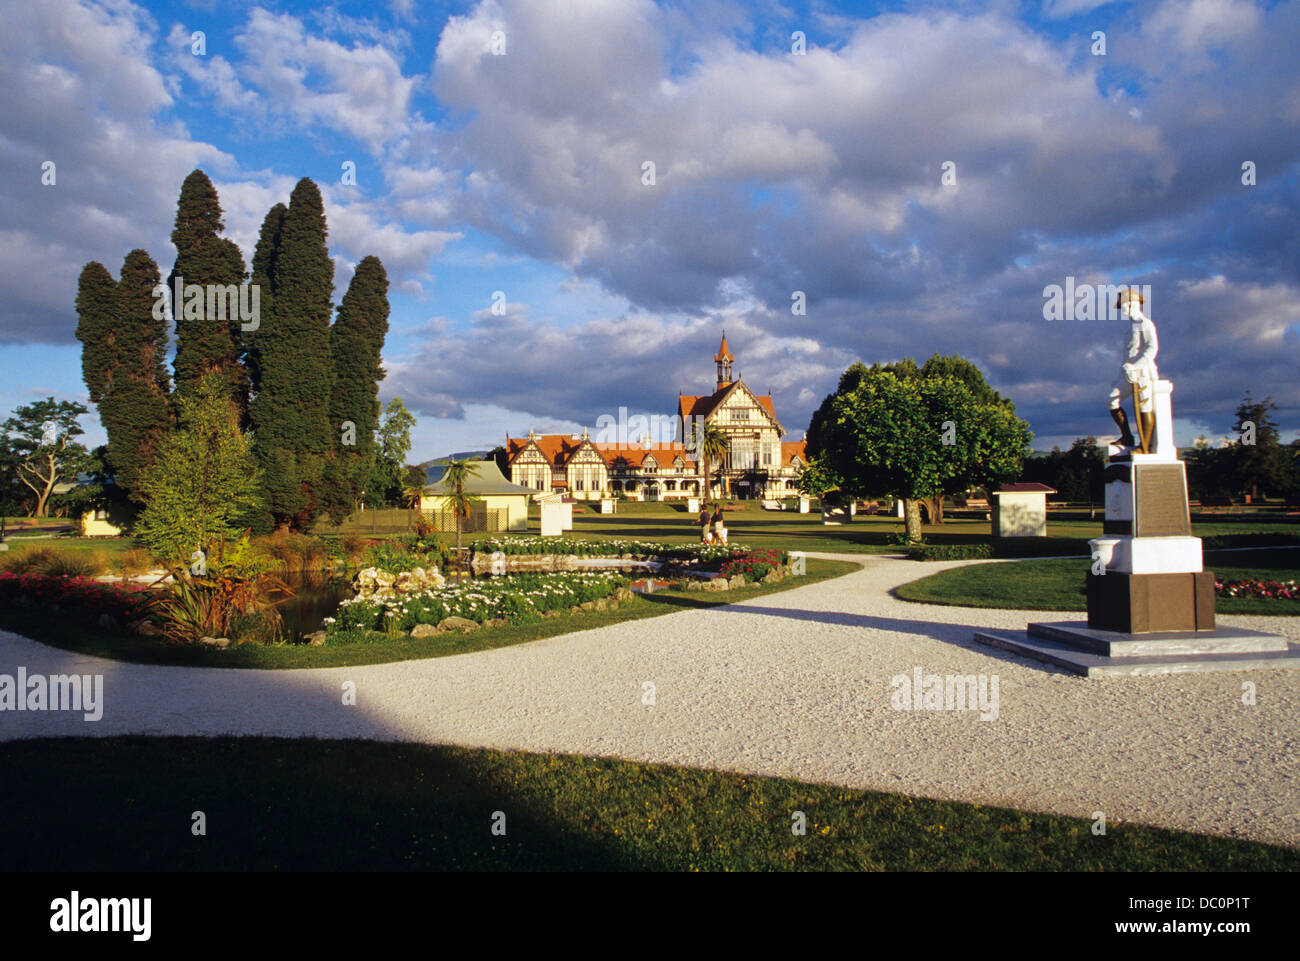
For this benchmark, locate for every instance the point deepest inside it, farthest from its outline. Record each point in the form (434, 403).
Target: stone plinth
(1096, 653)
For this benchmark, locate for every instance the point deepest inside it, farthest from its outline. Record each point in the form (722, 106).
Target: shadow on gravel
(959, 635)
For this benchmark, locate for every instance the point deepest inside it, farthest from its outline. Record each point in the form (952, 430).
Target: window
(577, 484)
(741, 413)
(767, 458)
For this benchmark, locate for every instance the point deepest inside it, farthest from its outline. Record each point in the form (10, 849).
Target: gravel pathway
(795, 684)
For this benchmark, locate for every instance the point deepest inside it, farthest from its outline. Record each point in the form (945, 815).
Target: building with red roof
(757, 464)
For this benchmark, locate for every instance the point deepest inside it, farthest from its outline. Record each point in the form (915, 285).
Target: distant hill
(461, 455)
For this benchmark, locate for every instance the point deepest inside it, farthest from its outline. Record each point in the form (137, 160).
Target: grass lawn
(870, 533)
(64, 632)
(125, 804)
(1058, 584)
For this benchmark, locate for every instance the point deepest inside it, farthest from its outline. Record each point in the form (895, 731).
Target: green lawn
(125, 804)
(870, 533)
(65, 632)
(1058, 584)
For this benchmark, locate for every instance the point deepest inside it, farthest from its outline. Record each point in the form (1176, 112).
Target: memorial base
(1079, 649)
(1147, 603)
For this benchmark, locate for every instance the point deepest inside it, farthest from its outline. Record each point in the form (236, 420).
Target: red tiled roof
(1025, 487)
(702, 405)
(664, 454)
(789, 448)
(560, 448)
(556, 448)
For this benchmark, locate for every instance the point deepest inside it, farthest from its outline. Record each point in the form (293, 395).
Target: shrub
(76, 593)
(69, 564)
(30, 560)
(132, 563)
(949, 552)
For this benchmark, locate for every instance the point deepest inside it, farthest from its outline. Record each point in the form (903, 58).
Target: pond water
(316, 595)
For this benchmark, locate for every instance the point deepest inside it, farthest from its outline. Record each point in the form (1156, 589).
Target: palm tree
(711, 442)
(454, 479)
(411, 496)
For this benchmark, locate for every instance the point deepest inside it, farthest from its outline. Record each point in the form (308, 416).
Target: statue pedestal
(1147, 574)
(1150, 601)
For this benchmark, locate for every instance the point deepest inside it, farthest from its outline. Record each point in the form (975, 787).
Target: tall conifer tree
(356, 343)
(205, 343)
(137, 410)
(96, 320)
(265, 258)
(290, 414)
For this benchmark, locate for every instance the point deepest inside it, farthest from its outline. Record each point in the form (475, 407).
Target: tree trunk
(912, 518)
(935, 506)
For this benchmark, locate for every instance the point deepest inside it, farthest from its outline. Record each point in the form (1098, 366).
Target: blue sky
(520, 172)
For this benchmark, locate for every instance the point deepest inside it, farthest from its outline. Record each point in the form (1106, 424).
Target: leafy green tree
(1256, 468)
(1075, 474)
(205, 484)
(817, 479)
(290, 414)
(392, 445)
(356, 344)
(895, 431)
(205, 341)
(39, 443)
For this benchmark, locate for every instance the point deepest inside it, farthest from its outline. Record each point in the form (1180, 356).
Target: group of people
(711, 526)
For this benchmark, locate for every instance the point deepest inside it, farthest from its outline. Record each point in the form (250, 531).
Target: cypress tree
(205, 343)
(356, 343)
(96, 320)
(265, 258)
(136, 412)
(290, 414)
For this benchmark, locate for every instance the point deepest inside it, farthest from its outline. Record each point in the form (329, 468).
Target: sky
(915, 174)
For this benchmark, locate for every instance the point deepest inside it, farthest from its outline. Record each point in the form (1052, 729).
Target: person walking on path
(706, 533)
(718, 529)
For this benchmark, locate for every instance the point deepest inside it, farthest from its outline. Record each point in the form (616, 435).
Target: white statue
(1138, 374)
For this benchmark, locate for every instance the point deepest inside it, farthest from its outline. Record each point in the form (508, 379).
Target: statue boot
(1121, 420)
(1147, 422)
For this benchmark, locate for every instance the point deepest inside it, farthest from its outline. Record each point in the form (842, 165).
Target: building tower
(723, 359)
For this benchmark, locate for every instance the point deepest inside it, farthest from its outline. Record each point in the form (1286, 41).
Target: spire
(723, 360)
(724, 352)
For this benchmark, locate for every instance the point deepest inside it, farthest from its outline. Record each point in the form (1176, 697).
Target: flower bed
(1276, 590)
(122, 601)
(754, 565)
(579, 547)
(514, 597)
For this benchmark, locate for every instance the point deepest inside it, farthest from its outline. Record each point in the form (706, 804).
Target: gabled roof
(791, 448)
(635, 455)
(484, 478)
(556, 448)
(702, 405)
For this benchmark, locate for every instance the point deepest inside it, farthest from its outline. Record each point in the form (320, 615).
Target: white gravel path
(794, 684)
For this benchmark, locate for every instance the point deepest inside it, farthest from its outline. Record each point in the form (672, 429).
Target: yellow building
(504, 505)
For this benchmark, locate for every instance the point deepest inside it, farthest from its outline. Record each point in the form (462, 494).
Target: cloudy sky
(501, 146)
